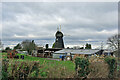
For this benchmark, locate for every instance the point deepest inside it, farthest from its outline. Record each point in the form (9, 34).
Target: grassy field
(48, 65)
(67, 64)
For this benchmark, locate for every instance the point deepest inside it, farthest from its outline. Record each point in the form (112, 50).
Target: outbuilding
(73, 52)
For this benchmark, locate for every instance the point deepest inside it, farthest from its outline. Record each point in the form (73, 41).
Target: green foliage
(118, 70)
(59, 71)
(53, 45)
(47, 68)
(18, 46)
(7, 48)
(5, 64)
(43, 74)
(112, 66)
(88, 46)
(82, 67)
(18, 70)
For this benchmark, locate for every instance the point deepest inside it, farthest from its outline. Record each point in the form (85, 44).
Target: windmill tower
(59, 39)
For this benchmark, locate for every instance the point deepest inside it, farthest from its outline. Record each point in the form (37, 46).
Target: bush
(25, 69)
(5, 64)
(82, 67)
(98, 70)
(111, 61)
(19, 70)
(43, 74)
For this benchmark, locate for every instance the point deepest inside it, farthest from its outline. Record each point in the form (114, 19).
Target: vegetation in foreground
(35, 67)
(47, 68)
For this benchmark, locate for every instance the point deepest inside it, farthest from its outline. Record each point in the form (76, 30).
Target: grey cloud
(80, 20)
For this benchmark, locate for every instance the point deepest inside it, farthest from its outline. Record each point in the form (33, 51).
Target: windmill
(59, 29)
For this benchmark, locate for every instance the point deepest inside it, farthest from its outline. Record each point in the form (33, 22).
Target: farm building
(84, 52)
(45, 53)
(107, 52)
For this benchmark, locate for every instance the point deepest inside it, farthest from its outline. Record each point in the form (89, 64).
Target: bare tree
(28, 46)
(113, 41)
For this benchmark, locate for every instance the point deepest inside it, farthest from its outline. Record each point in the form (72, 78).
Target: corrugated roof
(78, 51)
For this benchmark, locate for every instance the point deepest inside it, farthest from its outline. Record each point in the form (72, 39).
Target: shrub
(43, 74)
(19, 70)
(98, 70)
(82, 67)
(118, 70)
(111, 61)
(5, 64)
(24, 69)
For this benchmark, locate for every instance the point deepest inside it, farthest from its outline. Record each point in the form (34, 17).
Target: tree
(88, 46)
(28, 46)
(18, 46)
(53, 46)
(81, 47)
(7, 48)
(76, 47)
(113, 42)
(47, 46)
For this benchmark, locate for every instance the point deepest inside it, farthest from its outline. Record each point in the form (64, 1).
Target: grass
(67, 64)
(47, 64)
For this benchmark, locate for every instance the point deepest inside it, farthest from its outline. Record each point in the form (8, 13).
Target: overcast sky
(81, 22)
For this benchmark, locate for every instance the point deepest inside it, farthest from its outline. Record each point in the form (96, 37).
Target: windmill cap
(59, 34)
